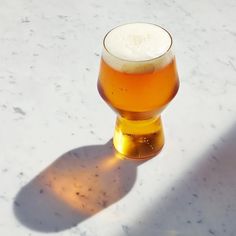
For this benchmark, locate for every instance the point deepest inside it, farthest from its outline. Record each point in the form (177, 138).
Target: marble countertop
(55, 130)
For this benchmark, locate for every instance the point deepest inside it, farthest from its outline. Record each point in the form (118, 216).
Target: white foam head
(137, 48)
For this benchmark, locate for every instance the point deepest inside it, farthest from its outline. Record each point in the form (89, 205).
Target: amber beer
(138, 87)
(138, 96)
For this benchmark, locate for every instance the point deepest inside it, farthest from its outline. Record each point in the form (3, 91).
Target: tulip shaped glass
(137, 79)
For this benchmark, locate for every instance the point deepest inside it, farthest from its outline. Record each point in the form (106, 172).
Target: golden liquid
(138, 96)
(139, 100)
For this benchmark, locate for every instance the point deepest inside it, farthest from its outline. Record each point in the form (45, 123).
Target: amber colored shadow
(79, 184)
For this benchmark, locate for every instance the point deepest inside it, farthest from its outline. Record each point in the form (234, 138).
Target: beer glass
(137, 79)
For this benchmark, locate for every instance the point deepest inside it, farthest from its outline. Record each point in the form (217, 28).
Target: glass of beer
(137, 79)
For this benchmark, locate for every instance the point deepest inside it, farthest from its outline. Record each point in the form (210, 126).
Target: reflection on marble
(76, 186)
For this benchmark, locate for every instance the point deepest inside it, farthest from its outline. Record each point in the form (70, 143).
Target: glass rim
(138, 61)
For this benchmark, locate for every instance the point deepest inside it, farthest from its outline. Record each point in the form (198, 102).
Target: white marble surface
(49, 59)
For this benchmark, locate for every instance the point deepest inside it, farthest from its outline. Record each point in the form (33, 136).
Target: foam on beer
(137, 48)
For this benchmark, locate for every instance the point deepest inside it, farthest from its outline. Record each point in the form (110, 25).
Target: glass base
(138, 139)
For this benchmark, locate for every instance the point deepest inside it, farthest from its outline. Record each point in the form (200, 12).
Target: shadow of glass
(202, 202)
(76, 186)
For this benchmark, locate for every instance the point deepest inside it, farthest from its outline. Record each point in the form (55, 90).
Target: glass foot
(141, 139)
